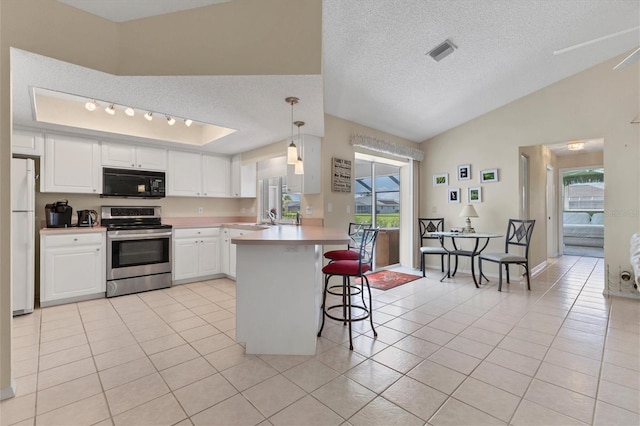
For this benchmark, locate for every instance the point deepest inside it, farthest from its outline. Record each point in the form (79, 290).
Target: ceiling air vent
(442, 50)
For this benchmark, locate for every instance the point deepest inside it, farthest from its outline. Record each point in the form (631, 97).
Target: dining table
(448, 241)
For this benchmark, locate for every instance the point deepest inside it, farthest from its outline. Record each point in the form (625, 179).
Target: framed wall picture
(441, 179)
(464, 172)
(454, 195)
(340, 175)
(475, 195)
(490, 175)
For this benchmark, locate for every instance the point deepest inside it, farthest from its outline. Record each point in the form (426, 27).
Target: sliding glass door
(377, 202)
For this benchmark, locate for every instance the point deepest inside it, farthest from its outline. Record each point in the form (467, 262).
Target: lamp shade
(468, 211)
(292, 153)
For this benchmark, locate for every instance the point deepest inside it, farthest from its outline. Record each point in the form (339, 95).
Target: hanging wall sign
(340, 175)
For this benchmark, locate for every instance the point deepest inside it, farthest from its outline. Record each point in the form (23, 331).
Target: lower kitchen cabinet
(228, 255)
(72, 267)
(196, 254)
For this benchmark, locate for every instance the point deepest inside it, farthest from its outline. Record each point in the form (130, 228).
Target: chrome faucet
(272, 216)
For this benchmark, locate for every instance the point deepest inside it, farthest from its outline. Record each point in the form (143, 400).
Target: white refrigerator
(22, 235)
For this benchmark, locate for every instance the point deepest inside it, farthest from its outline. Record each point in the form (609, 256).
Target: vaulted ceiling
(375, 68)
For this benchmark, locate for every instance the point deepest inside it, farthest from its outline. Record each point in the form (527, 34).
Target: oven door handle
(139, 236)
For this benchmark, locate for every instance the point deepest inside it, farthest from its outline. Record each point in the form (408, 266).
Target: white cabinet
(71, 165)
(133, 157)
(215, 176)
(228, 251)
(243, 178)
(311, 181)
(197, 175)
(24, 142)
(72, 267)
(196, 254)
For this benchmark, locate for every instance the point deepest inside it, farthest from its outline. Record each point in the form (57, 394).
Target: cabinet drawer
(196, 232)
(71, 240)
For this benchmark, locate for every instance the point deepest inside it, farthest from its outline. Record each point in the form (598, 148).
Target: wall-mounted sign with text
(340, 175)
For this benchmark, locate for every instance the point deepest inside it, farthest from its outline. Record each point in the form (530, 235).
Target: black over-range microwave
(132, 183)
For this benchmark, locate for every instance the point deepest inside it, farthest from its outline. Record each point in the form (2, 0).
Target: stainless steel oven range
(138, 249)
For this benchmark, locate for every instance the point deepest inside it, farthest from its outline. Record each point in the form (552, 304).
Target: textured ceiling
(377, 74)
(375, 68)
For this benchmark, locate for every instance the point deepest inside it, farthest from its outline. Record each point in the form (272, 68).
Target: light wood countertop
(294, 235)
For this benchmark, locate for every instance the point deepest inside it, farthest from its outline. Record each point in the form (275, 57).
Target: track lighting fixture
(91, 105)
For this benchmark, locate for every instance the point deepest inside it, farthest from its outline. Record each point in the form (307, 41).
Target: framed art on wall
(464, 172)
(454, 195)
(441, 179)
(489, 175)
(475, 195)
(340, 175)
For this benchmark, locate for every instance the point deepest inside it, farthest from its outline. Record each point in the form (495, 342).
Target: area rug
(384, 280)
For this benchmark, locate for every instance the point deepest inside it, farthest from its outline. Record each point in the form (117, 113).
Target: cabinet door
(209, 256)
(185, 258)
(27, 143)
(215, 176)
(72, 272)
(118, 155)
(248, 180)
(225, 244)
(184, 174)
(151, 158)
(232, 251)
(71, 165)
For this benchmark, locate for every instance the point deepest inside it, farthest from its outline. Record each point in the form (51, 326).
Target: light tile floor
(446, 354)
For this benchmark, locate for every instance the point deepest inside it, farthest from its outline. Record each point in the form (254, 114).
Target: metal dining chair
(427, 225)
(518, 235)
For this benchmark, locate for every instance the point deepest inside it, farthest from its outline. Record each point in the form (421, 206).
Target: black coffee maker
(58, 214)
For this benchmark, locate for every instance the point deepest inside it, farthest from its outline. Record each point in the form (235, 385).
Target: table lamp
(468, 211)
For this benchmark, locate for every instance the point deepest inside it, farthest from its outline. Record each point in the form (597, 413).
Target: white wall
(596, 103)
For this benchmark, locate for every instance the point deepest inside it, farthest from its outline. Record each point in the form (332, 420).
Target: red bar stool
(347, 291)
(351, 253)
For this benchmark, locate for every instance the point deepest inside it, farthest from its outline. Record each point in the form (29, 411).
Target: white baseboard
(9, 392)
(538, 268)
(621, 294)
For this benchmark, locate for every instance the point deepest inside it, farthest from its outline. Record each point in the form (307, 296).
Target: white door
(72, 165)
(216, 174)
(72, 272)
(185, 258)
(209, 256)
(151, 158)
(184, 174)
(118, 155)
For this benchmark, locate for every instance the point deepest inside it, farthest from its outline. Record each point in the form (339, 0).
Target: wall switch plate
(329, 207)
(348, 208)
(434, 209)
(309, 210)
(200, 210)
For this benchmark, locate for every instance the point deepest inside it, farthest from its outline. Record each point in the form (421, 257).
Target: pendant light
(299, 168)
(292, 150)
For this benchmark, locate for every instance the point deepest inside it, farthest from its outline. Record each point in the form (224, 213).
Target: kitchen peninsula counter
(279, 287)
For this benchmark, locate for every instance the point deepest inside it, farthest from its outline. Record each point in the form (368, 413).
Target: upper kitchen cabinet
(197, 175)
(243, 178)
(310, 181)
(71, 165)
(215, 176)
(133, 157)
(29, 143)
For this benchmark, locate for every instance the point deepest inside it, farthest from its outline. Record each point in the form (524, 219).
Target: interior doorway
(378, 200)
(583, 192)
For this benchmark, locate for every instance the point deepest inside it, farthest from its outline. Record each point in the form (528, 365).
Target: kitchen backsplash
(171, 206)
